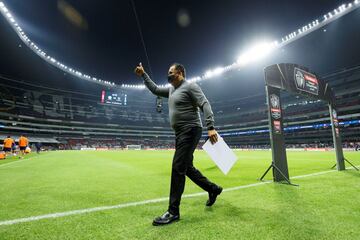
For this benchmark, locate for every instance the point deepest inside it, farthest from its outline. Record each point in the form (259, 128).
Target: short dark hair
(179, 67)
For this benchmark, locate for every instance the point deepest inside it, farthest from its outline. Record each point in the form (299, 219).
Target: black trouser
(186, 142)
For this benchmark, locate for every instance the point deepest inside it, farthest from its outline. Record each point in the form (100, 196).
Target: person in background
(38, 147)
(13, 149)
(23, 143)
(8, 143)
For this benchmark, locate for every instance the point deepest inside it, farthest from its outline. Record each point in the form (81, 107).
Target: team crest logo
(334, 114)
(336, 122)
(275, 106)
(274, 100)
(300, 80)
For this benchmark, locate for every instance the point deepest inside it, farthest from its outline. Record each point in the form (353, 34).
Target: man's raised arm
(158, 91)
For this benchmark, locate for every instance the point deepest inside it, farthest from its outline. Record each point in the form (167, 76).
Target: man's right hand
(139, 70)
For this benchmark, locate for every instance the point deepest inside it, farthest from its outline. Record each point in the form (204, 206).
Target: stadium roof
(104, 40)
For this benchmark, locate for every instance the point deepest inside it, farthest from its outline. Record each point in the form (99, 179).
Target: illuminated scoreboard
(116, 98)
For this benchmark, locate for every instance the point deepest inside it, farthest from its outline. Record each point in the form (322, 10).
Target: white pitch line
(131, 204)
(314, 174)
(10, 163)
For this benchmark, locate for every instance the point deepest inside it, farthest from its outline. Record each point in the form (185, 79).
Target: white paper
(221, 154)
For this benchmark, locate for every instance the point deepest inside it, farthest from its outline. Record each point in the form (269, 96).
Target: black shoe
(213, 195)
(166, 218)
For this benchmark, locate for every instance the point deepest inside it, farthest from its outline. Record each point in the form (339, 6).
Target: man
(13, 148)
(185, 99)
(38, 147)
(357, 146)
(23, 143)
(8, 143)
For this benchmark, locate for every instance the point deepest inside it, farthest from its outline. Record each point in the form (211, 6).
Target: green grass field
(324, 206)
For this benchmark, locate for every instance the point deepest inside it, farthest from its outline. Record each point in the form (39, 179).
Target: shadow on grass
(210, 168)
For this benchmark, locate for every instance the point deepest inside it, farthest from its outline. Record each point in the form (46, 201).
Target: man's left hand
(213, 136)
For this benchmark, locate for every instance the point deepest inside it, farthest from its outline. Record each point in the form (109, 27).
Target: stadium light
(194, 79)
(257, 52)
(8, 16)
(211, 73)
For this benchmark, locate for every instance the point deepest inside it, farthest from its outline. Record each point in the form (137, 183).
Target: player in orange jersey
(8, 142)
(23, 143)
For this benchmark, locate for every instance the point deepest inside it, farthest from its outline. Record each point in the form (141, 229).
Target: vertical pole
(340, 164)
(277, 135)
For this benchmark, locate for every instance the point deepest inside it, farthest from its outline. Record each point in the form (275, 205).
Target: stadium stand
(76, 119)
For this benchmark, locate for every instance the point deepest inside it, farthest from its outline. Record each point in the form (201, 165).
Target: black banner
(276, 134)
(337, 138)
(306, 82)
(297, 79)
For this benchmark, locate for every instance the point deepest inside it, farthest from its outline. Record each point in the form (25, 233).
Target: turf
(323, 206)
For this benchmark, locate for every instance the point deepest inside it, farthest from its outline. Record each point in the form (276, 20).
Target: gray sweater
(184, 104)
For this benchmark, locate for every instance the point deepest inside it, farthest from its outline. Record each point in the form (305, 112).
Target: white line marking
(315, 174)
(131, 204)
(10, 163)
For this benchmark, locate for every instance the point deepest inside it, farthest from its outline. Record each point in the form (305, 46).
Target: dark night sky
(218, 30)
